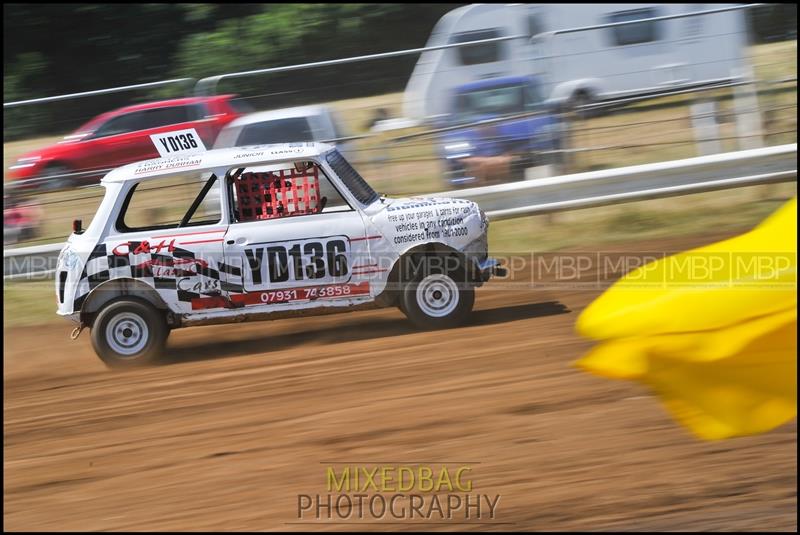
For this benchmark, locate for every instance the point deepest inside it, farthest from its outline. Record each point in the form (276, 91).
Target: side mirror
(77, 226)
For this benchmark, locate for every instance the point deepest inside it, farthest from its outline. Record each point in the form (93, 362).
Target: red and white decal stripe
(222, 231)
(200, 241)
(366, 238)
(287, 295)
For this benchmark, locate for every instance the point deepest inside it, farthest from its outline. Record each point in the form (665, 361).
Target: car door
(115, 142)
(206, 121)
(299, 255)
(126, 139)
(169, 238)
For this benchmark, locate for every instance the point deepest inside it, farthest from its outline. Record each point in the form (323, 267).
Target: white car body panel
(255, 269)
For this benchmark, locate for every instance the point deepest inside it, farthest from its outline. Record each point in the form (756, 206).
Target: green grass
(28, 303)
(720, 211)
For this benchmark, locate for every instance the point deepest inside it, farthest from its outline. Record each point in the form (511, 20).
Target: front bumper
(489, 267)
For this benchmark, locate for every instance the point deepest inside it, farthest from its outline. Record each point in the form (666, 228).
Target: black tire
(129, 324)
(427, 295)
(56, 184)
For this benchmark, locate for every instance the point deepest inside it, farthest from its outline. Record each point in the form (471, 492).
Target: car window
(533, 95)
(491, 101)
(158, 117)
(283, 190)
(240, 105)
(122, 124)
(291, 130)
(163, 203)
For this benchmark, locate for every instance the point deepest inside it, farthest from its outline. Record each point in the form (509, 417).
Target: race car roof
(248, 155)
(273, 115)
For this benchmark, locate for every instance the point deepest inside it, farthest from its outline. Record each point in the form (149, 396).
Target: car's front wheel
(54, 179)
(437, 296)
(129, 333)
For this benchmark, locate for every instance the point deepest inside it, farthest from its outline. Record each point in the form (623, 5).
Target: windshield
(359, 187)
(496, 101)
(91, 126)
(289, 130)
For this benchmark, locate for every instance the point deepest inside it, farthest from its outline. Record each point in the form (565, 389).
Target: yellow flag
(712, 331)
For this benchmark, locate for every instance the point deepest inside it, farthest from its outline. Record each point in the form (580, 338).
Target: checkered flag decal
(179, 277)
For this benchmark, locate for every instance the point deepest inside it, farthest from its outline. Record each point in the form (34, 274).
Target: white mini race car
(261, 232)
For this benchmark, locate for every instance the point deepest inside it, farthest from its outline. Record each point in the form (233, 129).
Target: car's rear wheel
(129, 333)
(438, 296)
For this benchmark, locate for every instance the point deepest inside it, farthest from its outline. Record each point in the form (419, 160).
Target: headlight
(22, 163)
(68, 259)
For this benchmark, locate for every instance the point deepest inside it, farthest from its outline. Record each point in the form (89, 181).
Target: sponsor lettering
(124, 249)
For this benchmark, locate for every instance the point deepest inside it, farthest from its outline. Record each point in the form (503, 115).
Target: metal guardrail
(96, 92)
(56, 182)
(638, 182)
(37, 262)
(567, 192)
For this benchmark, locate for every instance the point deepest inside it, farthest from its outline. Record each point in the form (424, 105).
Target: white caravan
(598, 64)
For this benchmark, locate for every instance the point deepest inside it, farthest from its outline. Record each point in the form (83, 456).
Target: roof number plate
(178, 142)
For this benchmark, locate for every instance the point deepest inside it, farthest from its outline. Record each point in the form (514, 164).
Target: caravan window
(476, 54)
(535, 24)
(632, 34)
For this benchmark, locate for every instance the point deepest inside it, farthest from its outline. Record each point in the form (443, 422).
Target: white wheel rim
(437, 295)
(127, 334)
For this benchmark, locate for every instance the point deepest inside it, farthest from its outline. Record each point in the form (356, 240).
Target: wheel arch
(389, 295)
(113, 289)
(58, 161)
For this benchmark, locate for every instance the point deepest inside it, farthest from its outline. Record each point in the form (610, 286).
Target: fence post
(748, 116)
(704, 124)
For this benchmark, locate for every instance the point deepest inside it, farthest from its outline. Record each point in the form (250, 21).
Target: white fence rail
(638, 182)
(532, 197)
(97, 92)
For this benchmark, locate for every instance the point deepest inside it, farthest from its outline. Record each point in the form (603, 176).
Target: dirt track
(246, 417)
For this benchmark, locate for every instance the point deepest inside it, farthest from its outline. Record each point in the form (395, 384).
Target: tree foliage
(54, 49)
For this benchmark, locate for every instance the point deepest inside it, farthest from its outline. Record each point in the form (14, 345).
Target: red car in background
(122, 136)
